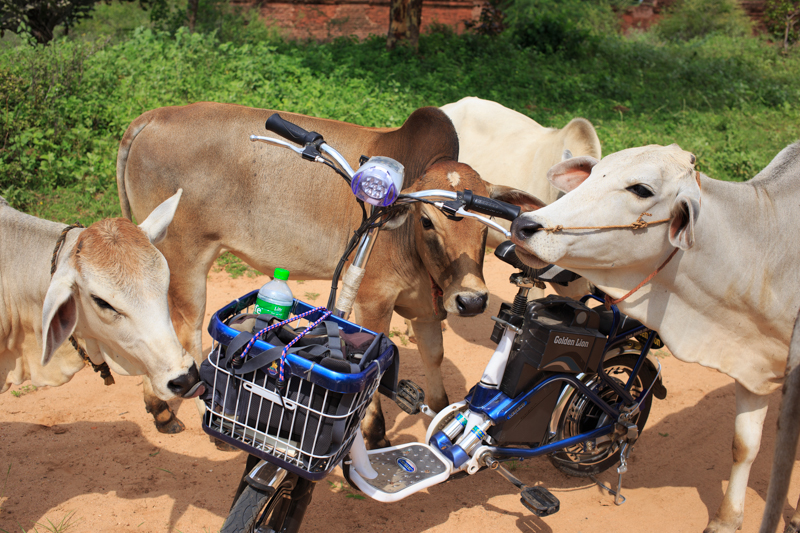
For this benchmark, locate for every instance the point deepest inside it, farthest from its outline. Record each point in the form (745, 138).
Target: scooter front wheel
(272, 510)
(581, 415)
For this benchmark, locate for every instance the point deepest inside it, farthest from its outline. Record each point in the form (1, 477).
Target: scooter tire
(585, 465)
(253, 503)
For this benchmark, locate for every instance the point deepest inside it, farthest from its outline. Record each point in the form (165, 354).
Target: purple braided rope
(309, 328)
(252, 341)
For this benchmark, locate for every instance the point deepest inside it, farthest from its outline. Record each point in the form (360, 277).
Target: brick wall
(326, 19)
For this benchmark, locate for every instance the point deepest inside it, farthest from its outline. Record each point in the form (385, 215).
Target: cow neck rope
(609, 301)
(639, 224)
(105, 372)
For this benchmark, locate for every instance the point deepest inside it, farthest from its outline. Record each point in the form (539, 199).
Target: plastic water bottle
(275, 298)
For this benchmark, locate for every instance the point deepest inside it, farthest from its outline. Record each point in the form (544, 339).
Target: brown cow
(272, 209)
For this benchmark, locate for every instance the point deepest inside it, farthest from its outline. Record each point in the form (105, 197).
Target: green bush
(64, 108)
(782, 18)
(691, 19)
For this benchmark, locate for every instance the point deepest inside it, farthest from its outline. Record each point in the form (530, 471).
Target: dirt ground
(86, 458)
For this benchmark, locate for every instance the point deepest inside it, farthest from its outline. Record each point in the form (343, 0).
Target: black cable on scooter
(357, 234)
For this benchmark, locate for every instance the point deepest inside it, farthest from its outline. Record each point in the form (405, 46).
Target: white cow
(728, 297)
(507, 148)
(109, 290)
(785, 443)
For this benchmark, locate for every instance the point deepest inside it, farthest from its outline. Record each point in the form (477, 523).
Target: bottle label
(281, 312)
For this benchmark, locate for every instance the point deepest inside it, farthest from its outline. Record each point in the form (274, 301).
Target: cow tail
(122, 161)
(786, 438)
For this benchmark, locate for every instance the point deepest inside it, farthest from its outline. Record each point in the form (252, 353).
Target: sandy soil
(89, 456)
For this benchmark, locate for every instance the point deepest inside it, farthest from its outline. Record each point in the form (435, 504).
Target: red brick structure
(326, 19)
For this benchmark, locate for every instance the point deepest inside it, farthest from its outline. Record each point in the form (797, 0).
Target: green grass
(22, 391)
(67, 523)
(234, 266)
(734, 102)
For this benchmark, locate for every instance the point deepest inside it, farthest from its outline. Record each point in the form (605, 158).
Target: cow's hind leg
(751, 409)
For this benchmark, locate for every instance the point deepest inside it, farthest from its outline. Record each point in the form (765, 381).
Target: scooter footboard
(401, 471)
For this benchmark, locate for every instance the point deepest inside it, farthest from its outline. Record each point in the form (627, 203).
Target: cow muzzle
(471, 304)
(523, 229)
(187, 385)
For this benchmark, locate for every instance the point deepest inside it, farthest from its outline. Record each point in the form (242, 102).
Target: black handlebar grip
(291, 132)
(489, 206)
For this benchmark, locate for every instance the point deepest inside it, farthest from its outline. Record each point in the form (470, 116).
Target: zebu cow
(785, 443)
(109, 289)
(507, 148)
(272, 209)
(728, 296)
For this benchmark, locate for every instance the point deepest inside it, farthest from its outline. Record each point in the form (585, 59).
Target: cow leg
(163, 417)
(187, 301)
(375, 314)
(794, 524)
(751, 409)
(431, 348)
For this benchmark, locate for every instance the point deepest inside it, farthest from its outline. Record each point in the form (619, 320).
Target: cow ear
(59, 313)
(527, 202)
(155, 225)
(685, 211)
(570, 173)
(399, 216)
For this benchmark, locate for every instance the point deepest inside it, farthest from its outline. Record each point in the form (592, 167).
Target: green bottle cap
(281, 273)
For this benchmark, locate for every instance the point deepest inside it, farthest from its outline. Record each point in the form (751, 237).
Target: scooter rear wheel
(581, 415)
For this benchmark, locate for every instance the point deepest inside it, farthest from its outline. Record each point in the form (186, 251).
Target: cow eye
(426, 223)
(102, 304)
(640, 190)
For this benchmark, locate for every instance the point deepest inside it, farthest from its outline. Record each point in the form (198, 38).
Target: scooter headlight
(378, 181)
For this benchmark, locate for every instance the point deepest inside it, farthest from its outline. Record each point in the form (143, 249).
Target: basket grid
(285, 428)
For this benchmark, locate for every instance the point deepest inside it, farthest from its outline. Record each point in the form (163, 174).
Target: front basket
(306, 429)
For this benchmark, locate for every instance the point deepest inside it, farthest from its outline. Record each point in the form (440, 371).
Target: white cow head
(659, 180)
(110, 289)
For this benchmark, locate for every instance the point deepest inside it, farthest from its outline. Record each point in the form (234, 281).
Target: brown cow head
(452, 251)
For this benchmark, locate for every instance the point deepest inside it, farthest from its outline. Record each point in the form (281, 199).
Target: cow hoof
(381, 443)
(224, 446)
(171, 426)
(719, 527)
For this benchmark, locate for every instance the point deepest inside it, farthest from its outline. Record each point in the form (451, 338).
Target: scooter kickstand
(619, 499)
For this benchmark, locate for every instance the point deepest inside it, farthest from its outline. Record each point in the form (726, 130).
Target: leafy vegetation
(733, 101)
(781, 18)
(234, 266)
(38, 19)
(692, 19)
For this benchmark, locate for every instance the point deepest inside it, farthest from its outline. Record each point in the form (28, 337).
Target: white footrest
(402, 471)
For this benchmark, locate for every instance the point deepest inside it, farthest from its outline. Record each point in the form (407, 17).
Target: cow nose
(471, 305)
(185, 382)
(523, 228)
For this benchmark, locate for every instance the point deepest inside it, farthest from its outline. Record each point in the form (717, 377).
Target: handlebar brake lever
(451, 208)
(459, 213)
(311, 151)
